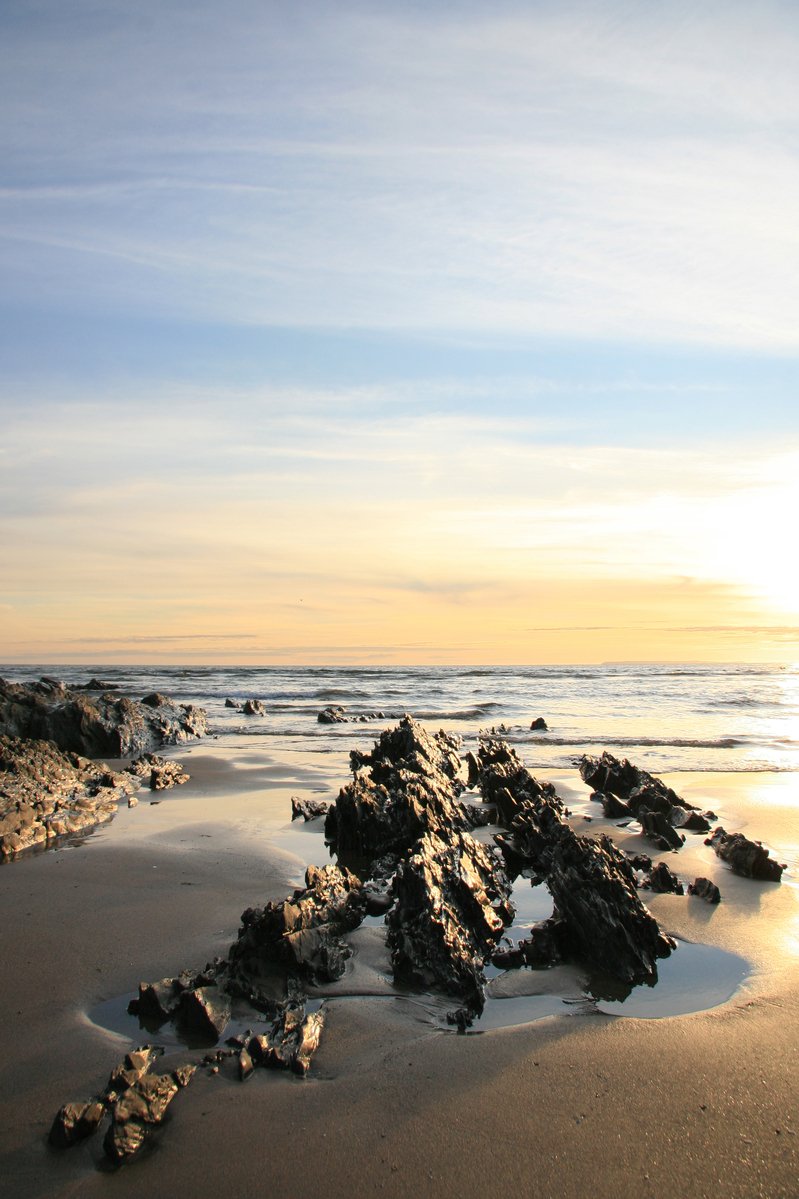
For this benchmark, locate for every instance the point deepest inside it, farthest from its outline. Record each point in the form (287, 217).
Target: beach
(574, 1103)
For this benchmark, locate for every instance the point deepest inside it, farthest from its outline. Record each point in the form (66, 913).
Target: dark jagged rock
(592, 883)
(745, 857)
(159, 1000)
(106, 726)
(47, 793)
(594, 890)
(75, 1122)
(304, 933)
(308, 809)
(233, 703)
(691, 822)
(95, 685)
(613, 807)
(478, 815)
(636, 787)
(662, 879)
(411, 787)
(291, 1042)
(334, 714)
(135, 1099)
(658, 829)
(705, 889)
(205, 1011)
(452, 904)
(539, 725)
(253, 707)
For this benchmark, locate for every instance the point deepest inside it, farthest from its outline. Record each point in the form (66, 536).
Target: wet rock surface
(335, 714)
(133, 1103)
(160, 773)
(446, 898)
(591, 882)
(703, 888)
(308, 809)
(47, 793)
(745, 857)
(625, 790)
(103, 726)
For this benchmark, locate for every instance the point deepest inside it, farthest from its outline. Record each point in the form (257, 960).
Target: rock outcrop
(625, 790)
(46, 793)
(104, 726)
(745, 857)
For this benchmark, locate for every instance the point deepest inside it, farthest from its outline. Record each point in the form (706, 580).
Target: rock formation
(105, 726)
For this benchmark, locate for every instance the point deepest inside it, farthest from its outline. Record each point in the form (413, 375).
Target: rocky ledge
(47, 793)
(102, 726)
(49, 787)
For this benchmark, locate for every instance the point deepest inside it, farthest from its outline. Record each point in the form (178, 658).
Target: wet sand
(571, 1105)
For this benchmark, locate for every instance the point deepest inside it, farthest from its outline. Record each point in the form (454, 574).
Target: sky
(398, 332)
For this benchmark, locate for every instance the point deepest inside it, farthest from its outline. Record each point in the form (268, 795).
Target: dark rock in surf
(233, 703)
(748, 858)
(539, 725)
(334, 714)
(703, 888)
(253, 707)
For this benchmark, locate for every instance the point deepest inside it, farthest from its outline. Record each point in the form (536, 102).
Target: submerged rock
(748, 858)
(539, 725)
(253, 707)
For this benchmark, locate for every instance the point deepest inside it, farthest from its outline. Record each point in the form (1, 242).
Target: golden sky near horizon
(395, 332)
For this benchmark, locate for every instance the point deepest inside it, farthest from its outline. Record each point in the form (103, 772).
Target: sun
(751, 536)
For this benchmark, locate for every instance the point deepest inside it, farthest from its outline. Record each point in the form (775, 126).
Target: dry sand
(573, 1105)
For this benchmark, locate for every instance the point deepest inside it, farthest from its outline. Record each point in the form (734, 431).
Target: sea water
(663, 717)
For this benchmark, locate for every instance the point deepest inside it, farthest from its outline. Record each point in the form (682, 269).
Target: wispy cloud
(621, 172)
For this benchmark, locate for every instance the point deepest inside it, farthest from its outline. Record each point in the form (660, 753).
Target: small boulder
(539, 725)
(704, 889)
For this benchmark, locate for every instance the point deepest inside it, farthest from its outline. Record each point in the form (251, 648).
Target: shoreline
(163, 886)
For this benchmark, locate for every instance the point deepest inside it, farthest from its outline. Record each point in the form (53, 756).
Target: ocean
(689, 717)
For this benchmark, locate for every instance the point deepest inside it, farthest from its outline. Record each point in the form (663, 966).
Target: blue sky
(457, 318)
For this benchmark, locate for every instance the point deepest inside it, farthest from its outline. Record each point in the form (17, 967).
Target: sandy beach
(569, 1105)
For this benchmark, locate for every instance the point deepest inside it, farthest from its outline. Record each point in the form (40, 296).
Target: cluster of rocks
(47, 793)
(335, 714)
(104, 726)
(250, 707)
(626, 791)
(49, 787)
(446, 898)
(133, 1102)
